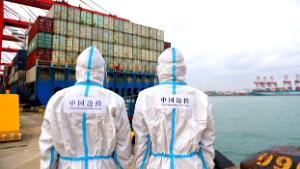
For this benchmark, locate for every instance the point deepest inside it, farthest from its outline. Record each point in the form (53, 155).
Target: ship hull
(276, 93)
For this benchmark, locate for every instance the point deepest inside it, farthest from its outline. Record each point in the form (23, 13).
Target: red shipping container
(42, 24)
(41, 55)
(167, 45)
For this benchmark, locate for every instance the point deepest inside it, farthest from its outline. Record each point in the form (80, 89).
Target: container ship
(269, 87)
(47, 64)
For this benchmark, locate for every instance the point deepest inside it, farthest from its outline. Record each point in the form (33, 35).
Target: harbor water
(248, 124)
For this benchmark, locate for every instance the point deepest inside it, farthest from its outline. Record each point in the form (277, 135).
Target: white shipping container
(110, 23)
(71, 58)
(82, 31)
(134, 41)
(94, 33)
(160, 34)
(58, 57)
(56, 26)
(77, 15)
(147, 55)
(126, 27)
(147, 43)
(121, 51)
(134, 29)
(100, 46)
(64, 12)
(130, 52)
(161, 46)
(70, 29)
(81, 45)
(105, 35)
(143, 55)
(71, 14)
(55, 42)
(88, 43)
(116, 50)
(105, 49)
(75, 44)
(139, 29)
(76, 29)
(110, 36)
(126, 52)
(116, 37)
(31, 75)
(139, 41)
(129, 27)
(152, 33)
(129, 37)
(88, 32)
(143, 44)
(100, 34)
(134, 53)
(110, 49)
(139, 50)
(69, 43)
(106, 22)
(94, 43)
(62, 43)
(121, 38)
(63, 27)
(144, 31)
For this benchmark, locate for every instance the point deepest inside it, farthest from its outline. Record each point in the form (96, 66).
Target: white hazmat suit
(86, 126)
(172, 121)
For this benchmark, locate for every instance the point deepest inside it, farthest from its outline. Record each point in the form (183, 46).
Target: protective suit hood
(90, 66)
(171, 66)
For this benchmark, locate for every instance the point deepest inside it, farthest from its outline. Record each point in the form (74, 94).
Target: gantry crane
(42, 4)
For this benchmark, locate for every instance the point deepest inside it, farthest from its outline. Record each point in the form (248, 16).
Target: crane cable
(87, 5)
(7, 12)
(28, 8)
(100, 7)
(29, 14)
(15, 13)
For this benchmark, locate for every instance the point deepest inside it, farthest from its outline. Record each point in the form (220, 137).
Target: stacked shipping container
(40, 42)
(126, 46)
(16, 76)
(130, 51)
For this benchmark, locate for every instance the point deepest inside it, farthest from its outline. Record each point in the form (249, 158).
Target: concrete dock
(23, 154)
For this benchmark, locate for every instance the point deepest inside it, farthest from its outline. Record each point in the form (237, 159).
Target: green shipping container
(71, 14)
(77, 16)
(83, 17)
(41, 40)
(89, 18)
(64, 12)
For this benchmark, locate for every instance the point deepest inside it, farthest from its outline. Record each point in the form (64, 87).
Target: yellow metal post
(9, 117)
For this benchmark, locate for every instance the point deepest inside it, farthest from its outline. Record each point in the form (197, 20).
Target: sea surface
(248, 124)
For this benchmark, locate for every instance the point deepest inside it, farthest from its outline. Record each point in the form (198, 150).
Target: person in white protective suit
(86, 126)
(173, 123)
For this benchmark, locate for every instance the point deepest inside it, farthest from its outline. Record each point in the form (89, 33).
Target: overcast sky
(226, 43)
